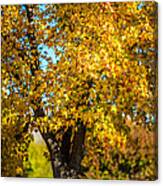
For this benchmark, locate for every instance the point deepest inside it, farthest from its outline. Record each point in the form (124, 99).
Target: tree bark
(54, 151)
(66, 156)
(77, 147)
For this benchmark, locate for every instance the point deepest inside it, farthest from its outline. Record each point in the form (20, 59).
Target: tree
(99, 93)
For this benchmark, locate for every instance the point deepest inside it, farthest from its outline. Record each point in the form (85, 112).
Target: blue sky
(44, 49)
(47, 52)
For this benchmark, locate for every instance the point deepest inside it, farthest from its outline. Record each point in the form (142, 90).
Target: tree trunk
(55, 153)
(66, 156)
(77, 147)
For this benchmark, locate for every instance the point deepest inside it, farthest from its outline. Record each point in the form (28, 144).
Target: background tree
(96, 106)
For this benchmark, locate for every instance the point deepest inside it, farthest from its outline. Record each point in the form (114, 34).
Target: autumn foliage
(95, 102)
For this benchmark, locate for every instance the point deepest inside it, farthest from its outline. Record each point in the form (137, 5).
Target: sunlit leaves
(104, 74)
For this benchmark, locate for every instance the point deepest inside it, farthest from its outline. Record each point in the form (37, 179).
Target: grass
(38, 164)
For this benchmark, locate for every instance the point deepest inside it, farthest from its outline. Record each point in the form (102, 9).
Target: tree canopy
(95, 102)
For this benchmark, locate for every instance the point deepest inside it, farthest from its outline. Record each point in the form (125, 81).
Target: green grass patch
(38, 165)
